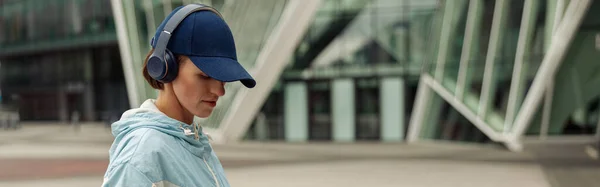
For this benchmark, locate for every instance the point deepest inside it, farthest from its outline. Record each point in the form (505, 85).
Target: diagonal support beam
(462, 108)
(271, 61)
(561, 40)
(424, 95)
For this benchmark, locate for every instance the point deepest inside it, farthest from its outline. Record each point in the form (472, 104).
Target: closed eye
(204, 76)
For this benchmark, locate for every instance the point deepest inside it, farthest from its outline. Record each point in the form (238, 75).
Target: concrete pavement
(280, 164)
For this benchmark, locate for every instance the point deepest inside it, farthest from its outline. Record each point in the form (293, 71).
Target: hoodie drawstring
(189, 132)
(196, 132)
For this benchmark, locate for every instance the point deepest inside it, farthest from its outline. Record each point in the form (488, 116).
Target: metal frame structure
(561, 40)
(513, 129)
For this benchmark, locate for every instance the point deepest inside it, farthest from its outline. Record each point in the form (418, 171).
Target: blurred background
(349, 93)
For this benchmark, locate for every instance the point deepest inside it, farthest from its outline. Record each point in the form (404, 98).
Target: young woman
(158, 144)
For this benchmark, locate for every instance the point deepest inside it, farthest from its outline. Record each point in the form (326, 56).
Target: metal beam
(530, 10)
(451, 15)
(424, 96)
(150, 20)
(560, 43)
(418, 114)
(444, 40)
(357, 70)
(554, 13)
(547, 110)
(462, 108)
(558, 14)
(496, 36)
(470, 45)
(273, 58)
(167, 7)
(125, 50)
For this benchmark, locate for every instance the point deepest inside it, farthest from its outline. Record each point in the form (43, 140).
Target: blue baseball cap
(206, 39)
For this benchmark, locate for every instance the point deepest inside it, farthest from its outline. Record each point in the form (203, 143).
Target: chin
(203, 114)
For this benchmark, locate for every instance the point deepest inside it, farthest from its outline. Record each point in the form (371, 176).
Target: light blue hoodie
(151, 149)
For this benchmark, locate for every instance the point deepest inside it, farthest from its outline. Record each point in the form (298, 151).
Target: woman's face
(195, 91)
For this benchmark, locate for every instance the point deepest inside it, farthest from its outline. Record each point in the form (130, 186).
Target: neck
(168, 104)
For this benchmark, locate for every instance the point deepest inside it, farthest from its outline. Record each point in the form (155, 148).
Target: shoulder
(140, 143)
(146, 150)
(148, 142)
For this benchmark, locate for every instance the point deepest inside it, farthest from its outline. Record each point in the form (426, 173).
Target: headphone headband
(178, 17)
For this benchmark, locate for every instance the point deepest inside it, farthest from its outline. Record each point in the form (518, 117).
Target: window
(319, 110)
(367, 109)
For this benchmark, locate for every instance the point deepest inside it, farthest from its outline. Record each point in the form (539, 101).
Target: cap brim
(224, 69)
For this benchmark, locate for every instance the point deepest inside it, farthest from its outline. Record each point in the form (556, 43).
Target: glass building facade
(60, 59)
(358, 65)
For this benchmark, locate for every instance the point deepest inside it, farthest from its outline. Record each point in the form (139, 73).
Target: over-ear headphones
(162, 64)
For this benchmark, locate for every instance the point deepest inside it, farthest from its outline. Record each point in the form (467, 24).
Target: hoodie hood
(148, 116)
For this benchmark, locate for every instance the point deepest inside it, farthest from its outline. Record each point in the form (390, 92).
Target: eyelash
(204, 77)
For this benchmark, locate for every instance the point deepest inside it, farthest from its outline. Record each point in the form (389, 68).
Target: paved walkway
(54, 155)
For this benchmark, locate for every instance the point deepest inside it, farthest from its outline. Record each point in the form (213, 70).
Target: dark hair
(154, 83)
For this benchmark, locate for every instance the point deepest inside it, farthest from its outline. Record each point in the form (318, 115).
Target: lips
(211, 103)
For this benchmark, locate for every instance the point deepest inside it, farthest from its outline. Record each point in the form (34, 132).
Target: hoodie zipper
(211, 172)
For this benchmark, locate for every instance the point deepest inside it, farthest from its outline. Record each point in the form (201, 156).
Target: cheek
(186, 90)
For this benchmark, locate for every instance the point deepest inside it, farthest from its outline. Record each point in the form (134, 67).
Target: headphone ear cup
(156, 67)
(172, 67)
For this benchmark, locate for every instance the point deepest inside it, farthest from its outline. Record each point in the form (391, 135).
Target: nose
(218, 88)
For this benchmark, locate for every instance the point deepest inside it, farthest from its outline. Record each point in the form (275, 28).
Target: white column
(392, 103)
(343, 113)
(296, 112)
